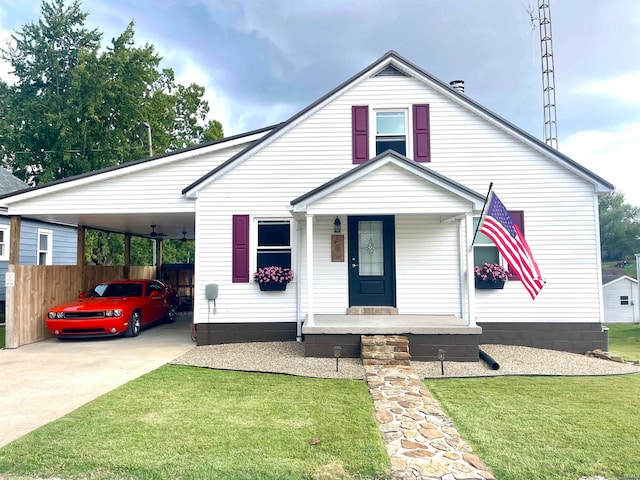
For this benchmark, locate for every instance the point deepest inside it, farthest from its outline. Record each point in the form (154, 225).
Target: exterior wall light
(337, 225)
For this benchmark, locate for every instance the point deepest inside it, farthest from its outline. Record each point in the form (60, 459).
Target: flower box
(490, 276)
(489, 284)
(273, 278)
(272, 287)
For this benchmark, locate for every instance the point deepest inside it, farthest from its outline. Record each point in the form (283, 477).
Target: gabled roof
(10, 183)
(195, 150)
(611, 279)
(394, 60)
(300, 204)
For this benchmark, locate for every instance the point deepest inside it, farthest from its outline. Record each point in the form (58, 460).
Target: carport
(127, 199)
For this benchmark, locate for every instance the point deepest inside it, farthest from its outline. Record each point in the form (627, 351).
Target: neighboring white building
(402, 161)
(620, 299)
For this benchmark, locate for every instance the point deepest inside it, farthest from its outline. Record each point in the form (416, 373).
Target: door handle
(354, 265)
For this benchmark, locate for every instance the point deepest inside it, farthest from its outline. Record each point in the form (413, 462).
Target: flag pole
(481, 215)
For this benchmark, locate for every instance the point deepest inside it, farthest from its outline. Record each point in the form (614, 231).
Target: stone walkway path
(420, 440)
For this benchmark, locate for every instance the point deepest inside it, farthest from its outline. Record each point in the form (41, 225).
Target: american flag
(496, 223)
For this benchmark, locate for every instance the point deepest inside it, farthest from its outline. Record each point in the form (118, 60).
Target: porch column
(471, 288)
(310, 300)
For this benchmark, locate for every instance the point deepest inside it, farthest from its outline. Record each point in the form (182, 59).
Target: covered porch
(426, 334)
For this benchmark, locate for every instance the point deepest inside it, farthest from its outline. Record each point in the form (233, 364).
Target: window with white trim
(45, 247)
(391, 127)
(624, 300)
(484, 250)
(4, 242)
(274, 243)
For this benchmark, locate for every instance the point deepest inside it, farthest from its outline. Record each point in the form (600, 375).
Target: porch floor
(389, 325)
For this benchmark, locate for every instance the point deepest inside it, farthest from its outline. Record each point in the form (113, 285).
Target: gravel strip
(288, 358)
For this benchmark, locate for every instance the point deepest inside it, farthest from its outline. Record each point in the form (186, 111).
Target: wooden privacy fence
(37, 288)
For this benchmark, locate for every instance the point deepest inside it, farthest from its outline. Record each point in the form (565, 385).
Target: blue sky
(261, 61)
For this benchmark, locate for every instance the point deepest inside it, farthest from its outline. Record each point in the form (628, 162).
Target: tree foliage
(77, 107)
(619, 227)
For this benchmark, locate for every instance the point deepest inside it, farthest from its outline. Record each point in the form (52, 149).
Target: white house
(402, 162)
(620, 299)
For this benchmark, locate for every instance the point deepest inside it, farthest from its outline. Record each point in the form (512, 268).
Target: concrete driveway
(44, 381)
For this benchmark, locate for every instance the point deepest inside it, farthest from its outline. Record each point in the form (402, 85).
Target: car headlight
(113, 313)
(56, 315)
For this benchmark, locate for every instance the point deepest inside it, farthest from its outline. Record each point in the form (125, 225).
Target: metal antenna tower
(548, 75)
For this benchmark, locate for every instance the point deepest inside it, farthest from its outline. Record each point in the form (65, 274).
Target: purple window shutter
(421, 134)
(240, 258)
(360, 133)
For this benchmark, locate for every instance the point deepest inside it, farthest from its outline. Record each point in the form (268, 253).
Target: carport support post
(12, 339)
(158, 258)
(80, 249)
(127, 255)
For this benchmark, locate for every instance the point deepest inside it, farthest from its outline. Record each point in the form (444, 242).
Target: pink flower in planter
(273, 274)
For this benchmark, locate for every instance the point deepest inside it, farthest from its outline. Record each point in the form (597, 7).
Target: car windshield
(117, 290)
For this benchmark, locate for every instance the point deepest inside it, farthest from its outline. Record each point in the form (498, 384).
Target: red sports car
(114, 308)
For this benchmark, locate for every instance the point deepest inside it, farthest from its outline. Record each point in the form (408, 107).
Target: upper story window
(391, 131)
(274, 243)
(404, 130)
(4, 242)
(45, 247)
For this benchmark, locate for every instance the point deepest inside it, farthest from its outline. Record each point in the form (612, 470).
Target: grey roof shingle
(10, 183)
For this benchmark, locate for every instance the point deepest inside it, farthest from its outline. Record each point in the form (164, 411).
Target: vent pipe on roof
(457, 85)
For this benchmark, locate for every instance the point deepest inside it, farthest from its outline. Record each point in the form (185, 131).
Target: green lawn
(624, 339)
(187, 422)
(552, 428)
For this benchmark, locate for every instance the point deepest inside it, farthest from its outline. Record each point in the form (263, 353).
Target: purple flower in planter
(491, 272)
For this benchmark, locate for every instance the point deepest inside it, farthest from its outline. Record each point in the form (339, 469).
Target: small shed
(620, 293)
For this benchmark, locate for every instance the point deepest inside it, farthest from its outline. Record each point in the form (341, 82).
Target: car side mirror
(81, 295)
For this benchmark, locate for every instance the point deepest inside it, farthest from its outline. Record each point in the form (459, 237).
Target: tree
(619, 227)
(76, 108)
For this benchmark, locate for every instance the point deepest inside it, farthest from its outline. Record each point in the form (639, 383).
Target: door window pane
(370, 248)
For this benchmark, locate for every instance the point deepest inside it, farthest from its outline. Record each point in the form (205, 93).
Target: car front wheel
(135, 322)
(171, 314)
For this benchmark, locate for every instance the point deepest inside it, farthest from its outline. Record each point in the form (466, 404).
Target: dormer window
(391, 131)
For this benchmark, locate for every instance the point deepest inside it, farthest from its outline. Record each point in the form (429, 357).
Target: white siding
(614, 312)
(156, 188)
(388, 190)
(560, 213)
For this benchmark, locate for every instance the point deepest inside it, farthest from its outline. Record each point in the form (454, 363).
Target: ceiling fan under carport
(154, 234)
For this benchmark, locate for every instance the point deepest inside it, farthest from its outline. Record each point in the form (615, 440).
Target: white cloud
(611, 155)
(623, 87)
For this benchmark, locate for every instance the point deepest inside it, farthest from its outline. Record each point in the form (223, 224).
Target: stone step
(372, 311)
(385, 350)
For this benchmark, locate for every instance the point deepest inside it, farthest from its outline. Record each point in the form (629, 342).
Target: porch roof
(389, 183)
